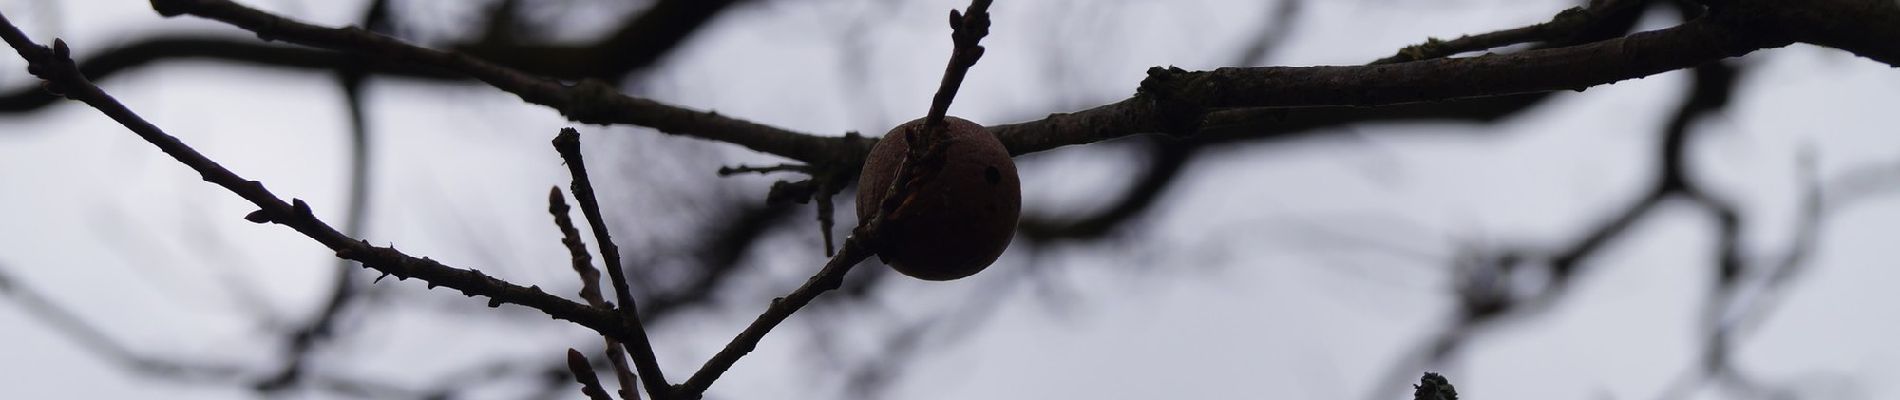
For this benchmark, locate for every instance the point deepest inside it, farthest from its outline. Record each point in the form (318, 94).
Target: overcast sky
(1304, 268)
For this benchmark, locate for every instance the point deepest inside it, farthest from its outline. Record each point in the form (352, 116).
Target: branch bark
(1178, 102)
(589, 101)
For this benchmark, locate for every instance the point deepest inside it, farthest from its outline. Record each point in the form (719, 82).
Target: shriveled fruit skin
(960, 220)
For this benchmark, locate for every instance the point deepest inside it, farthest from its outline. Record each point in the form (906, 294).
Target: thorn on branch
(261, 216)
(301, 209)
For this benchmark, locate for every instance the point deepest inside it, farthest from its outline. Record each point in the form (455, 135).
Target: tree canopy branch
(589, 101)
(1174, 101)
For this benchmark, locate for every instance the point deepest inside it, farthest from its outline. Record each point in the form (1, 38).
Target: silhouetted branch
(764, 169)
(1486, 291)
(967, 30)
(113, 61)
(590, 287)
(343, 289)
(713, 261)
(568, 143)
(1171, 101)
(640, 42)
(590, 101)
(1565, 24)
(584, 373)
(850, 254)
(1867, 28)
(1183, 102)
(1167, 158)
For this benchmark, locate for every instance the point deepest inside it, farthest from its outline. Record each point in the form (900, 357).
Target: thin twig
(928, 144)
(853, 252)
(827, 187)
(584, 373)
(967, 29)
(1564, 24)
(568, 143)
(590, 101)
(764, 169)
(590, 287)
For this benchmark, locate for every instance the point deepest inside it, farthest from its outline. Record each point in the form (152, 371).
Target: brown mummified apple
(960, 219)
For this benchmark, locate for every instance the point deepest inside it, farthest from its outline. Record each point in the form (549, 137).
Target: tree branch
(111, 62)
(1177, 102)
(590, 288)
(1566, 23)
(568, 143)
(584, 374)
(1867, 28)
(849, 255)
(590, 101)
(640, 42)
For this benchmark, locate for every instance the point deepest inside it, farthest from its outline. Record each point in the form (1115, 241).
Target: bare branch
(1867, 28)
(1174, 101)
(852, 252)
(590, 287)
(643, 40)
(568, 143)
(967, 30)
(590, 101)
(1565, 24)
(584, 373)
(764, 169)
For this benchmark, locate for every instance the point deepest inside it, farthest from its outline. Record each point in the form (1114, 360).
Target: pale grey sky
(1290, 269)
